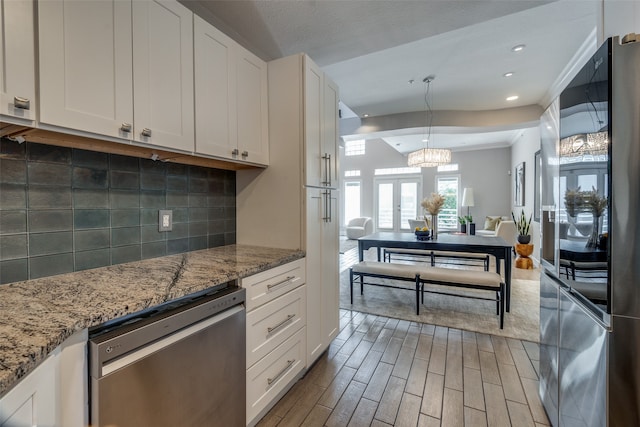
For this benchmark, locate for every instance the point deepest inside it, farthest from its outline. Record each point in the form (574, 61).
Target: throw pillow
(490, 223)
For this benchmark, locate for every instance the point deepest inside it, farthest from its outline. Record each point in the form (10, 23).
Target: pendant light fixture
(428, 157)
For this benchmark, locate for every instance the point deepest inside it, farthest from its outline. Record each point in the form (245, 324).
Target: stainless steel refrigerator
(590, 249)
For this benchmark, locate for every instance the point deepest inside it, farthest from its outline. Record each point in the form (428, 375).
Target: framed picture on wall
(519, 185)
(536, 186)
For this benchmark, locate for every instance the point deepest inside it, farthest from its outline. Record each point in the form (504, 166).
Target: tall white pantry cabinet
(293, 203)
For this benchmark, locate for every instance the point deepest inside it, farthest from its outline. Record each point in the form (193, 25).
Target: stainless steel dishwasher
(178, 364)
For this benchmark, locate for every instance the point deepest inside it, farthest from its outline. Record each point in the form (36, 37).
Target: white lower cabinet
(54, 393)
(272, 376)
(33, 402)
(270, 325)
(276, 334)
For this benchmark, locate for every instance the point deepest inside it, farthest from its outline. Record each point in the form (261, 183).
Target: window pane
(408, 203)
(351, 200)
(385, 205)
(448, 216)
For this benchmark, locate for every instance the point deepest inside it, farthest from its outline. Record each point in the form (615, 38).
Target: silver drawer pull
(21, 103)
(286, 368)
(282, 282)
(245, 154)
(281, 324)
(146, 132)
(125, 127)
(235, 152)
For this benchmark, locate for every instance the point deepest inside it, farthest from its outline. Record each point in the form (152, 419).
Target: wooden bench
(467, 279)
(432, 255)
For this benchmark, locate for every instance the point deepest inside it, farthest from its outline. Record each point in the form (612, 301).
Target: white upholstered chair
(359, 227)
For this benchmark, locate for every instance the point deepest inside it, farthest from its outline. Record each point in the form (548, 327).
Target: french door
(397, 200)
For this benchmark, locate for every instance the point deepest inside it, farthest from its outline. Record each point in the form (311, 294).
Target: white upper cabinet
(331, 126)
(215, 72)
(85, 65)
(17, 59)
(313, 80)
(252, 113)
(163, 74)
(321, 127)
(231, 98)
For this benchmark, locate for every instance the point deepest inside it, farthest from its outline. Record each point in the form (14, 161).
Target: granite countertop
(38, 315)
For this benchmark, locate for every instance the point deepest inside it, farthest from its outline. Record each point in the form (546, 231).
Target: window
(352, 173)
(397, 171)
(449, 187)
(354, 148)
(352, 191)
(451, 167)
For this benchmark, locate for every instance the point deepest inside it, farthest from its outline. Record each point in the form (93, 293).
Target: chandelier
(428, 157)
(590, 144)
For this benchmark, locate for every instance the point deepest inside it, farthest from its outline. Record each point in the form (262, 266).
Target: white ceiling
(372, 48)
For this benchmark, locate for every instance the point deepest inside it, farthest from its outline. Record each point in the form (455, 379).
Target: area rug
(522, 322)
(347, 244)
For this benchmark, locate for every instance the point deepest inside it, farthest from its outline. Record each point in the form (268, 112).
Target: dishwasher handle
(151, 348)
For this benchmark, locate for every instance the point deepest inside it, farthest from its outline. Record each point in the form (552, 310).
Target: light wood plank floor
(381, 371)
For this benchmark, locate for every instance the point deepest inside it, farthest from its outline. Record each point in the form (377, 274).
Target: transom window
(354, 148)
(352, 173)
(397, 171)
(451, 167)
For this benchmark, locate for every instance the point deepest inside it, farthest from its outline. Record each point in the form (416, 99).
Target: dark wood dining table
(495, 246)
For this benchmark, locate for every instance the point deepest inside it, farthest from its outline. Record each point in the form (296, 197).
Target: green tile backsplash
(64, 210)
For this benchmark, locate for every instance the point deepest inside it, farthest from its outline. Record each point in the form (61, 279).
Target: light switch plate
(165, 220)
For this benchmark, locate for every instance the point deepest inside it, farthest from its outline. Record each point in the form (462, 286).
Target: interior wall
(486, 171)
(523, 150)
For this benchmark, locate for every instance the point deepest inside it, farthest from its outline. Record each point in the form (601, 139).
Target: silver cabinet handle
(235, 152)
(126, 127)
(286, 368)
(281, 324)
(22, 103)
(327, 169)
(146, 132)
(282, 282)
(245, 154)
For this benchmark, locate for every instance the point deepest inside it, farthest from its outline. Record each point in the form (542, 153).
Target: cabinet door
(85, 65)
(251, 89)
(163, 74)
(313, 81)
(34, 401)
(17, 59)
(314, 214)
(330, 273)
(214, 59)
(330, 129)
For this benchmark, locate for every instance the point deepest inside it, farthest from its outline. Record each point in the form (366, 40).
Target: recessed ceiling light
(425, 140)
(512, 98)
(365, 115)
(508, 74)
(518, 48)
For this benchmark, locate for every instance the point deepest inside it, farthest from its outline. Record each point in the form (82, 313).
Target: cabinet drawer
(268, 285)
(271, 375)
(271, 324)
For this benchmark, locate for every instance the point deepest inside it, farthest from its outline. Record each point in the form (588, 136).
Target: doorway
(397, 200)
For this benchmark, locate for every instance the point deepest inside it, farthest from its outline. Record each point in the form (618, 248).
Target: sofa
(359, 227)
(504, 228)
